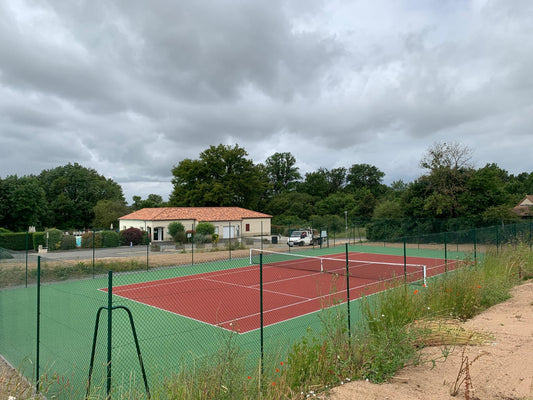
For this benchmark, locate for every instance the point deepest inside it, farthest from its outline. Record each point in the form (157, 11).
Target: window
(247, 227)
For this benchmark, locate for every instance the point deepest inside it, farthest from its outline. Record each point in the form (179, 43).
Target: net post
(424, 269)
(251, 262)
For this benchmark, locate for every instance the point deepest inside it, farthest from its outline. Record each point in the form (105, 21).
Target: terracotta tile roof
(524, 209)
(201, 214)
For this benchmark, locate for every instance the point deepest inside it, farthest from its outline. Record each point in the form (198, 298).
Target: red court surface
(230, 299)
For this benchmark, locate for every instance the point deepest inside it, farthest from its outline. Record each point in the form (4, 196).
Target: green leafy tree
(296, 204)
(151, 201)
(22, 203)
(388, 209)
(485, 188)
(336, 204)
(107, 213)
(316, 183)
(281, 171)
(518, 186)
(365, 176)
(449, 170)
(222, 176)
(73, 191)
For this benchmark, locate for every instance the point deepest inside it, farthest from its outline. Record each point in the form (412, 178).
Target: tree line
(449, 189)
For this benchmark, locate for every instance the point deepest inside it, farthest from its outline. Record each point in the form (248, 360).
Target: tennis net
(340, 265)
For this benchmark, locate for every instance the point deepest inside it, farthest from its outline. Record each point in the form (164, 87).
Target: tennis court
(292, 286)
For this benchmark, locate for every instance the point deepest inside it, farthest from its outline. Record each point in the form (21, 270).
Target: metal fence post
(109, 328)
(27, 240)
(348, 294)
(38, 332)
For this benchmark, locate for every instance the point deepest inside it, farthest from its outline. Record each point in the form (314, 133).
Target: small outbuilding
(525, 207)
(229, 222)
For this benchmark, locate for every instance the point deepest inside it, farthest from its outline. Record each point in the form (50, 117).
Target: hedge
(16, 241)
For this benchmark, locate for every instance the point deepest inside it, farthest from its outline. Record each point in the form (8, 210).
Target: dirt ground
(501, 369)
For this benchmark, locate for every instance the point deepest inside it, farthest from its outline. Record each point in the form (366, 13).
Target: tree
(281, 171)
(107, 213)
(22, 203)
(388, 209)
(222, 176)
(454, 156)
(449, 170)
(296, 204)
(315, 183)
(72, 192)
(336, 204)
(485, 189)
(152, 201)
(365, 176)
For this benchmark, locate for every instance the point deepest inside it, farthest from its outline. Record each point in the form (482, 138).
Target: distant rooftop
(203, 214)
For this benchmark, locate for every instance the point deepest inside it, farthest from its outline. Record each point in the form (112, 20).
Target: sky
(131, 87)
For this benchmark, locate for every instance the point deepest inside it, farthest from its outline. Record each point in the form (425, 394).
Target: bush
(87, 240)
(177, 231)
(68, 242)
(53, 237)
(205, 228)
(4, 254)
(131, 235)
(39, 239)
(200, 238)
(15, 241)
(110, 239)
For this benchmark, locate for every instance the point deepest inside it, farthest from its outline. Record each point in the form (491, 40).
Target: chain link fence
(57, 317)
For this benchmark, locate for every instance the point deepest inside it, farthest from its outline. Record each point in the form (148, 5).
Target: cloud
(131, 88)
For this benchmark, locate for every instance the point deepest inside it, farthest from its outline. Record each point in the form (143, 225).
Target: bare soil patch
(503, 369)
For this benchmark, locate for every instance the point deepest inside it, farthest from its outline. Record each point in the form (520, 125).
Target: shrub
(177, 231)
(68, 242)
(39, 239)
(4, 254)
(131, 235)
(110, 239)
(87, 240)
(205, 228)
(201, 238)
(15, 241)
(53, 237)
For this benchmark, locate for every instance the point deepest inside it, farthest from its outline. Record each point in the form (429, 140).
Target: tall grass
(387, 338)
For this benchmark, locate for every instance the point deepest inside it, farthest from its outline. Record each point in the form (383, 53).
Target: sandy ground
(502, 369)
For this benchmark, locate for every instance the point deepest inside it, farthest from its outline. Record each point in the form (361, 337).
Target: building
(229, 222)
(525, 207)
